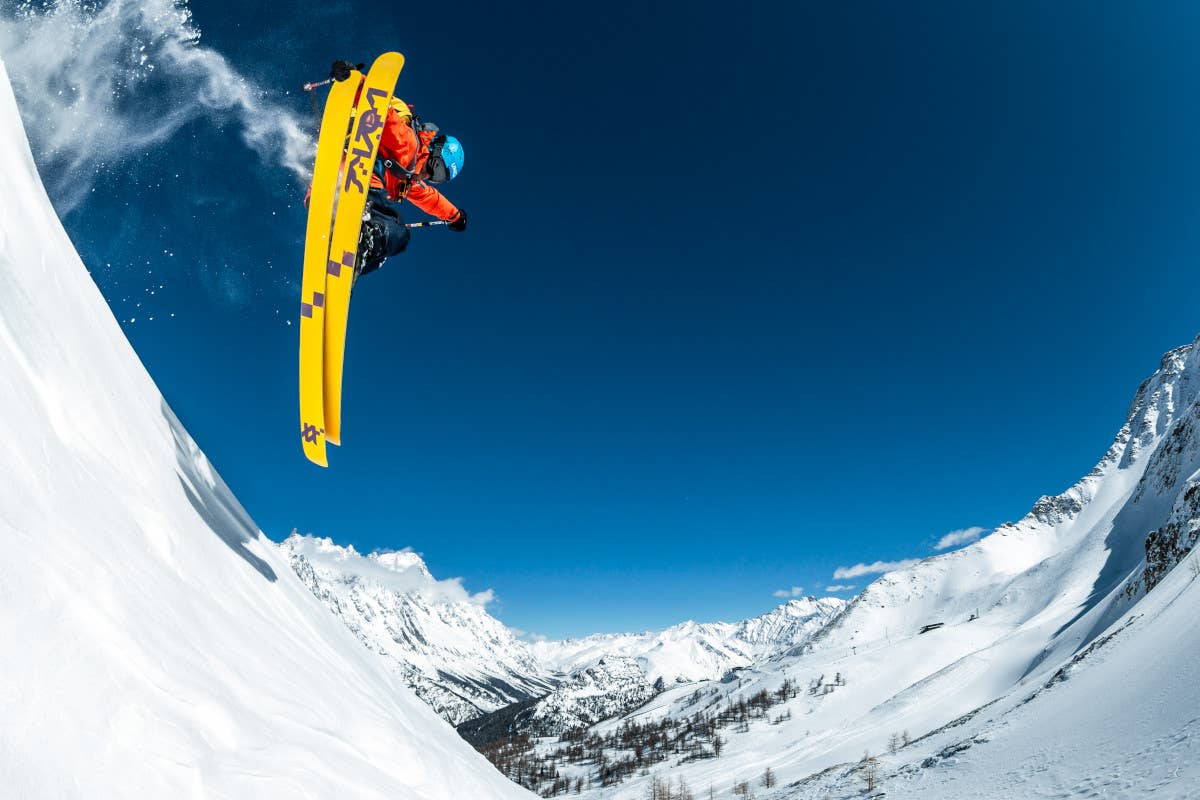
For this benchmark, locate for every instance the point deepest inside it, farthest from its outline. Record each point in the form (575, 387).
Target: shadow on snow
(211, 497)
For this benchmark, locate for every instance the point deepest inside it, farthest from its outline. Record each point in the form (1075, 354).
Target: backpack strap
(408, 174)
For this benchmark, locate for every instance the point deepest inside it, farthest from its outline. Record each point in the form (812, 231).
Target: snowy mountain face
(466, 664)
(695, 651)
(1050, 658)
(610, 675)
(152, 642)
(457, 658)
(611, 687)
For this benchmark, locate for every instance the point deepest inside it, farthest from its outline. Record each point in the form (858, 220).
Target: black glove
(340, 70)
(459, 223)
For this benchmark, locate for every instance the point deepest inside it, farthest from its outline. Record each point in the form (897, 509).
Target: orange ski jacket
(410, 150)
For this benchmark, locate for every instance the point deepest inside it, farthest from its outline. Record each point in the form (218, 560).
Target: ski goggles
(435, 165)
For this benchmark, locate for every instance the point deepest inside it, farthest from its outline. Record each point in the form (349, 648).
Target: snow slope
(458, 658)
(152, 642)
(1065, 588)
(1121, 720)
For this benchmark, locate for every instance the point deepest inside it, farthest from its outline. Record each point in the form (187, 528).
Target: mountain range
(1050, 658)
(965, 658)
(465, 663)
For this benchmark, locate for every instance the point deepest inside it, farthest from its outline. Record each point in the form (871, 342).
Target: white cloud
(840, 587)
(841, 573)
(484, 598)
(99, 82)
(399, 570)
(795, 591)
(963, 536)
(528, 636)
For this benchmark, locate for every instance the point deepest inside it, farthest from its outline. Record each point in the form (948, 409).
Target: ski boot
(370, 249)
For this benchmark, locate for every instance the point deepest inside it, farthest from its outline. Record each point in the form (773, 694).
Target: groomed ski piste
(153, 643)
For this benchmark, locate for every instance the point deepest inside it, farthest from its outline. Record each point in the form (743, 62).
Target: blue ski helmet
(445, 159)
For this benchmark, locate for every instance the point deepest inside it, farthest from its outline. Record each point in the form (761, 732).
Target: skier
(413, 156)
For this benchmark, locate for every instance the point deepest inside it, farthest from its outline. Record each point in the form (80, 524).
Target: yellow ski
(369, 114)
(335, 125)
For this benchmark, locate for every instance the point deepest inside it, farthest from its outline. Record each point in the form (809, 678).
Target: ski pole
(308, 87)
(312, 95)
(429, 224)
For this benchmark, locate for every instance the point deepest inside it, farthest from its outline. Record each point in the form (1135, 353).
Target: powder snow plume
(101, 81)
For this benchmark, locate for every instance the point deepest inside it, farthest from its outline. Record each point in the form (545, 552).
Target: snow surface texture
(1056, 673)
(152, 642)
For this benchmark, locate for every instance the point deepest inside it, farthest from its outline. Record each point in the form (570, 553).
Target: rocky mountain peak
(456, 657)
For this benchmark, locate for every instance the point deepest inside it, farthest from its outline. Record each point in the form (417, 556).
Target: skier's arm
(431, 201)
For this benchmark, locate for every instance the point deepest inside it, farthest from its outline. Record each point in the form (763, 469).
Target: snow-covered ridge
(152, 642)
(1115, 720)
(692, 651)
(1090, 537)
(949, 653)
(434, 634)
(465, 663)
(400, 571)
(612, 675)
(612, 686)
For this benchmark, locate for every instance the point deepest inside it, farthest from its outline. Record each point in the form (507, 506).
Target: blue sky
(746, 297)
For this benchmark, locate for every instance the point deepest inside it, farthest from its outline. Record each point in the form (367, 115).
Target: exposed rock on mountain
(457, 658)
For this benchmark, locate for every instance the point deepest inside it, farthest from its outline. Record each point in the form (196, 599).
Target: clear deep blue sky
(750, 291)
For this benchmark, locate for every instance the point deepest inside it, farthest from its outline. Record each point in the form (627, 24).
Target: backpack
(425, 132)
